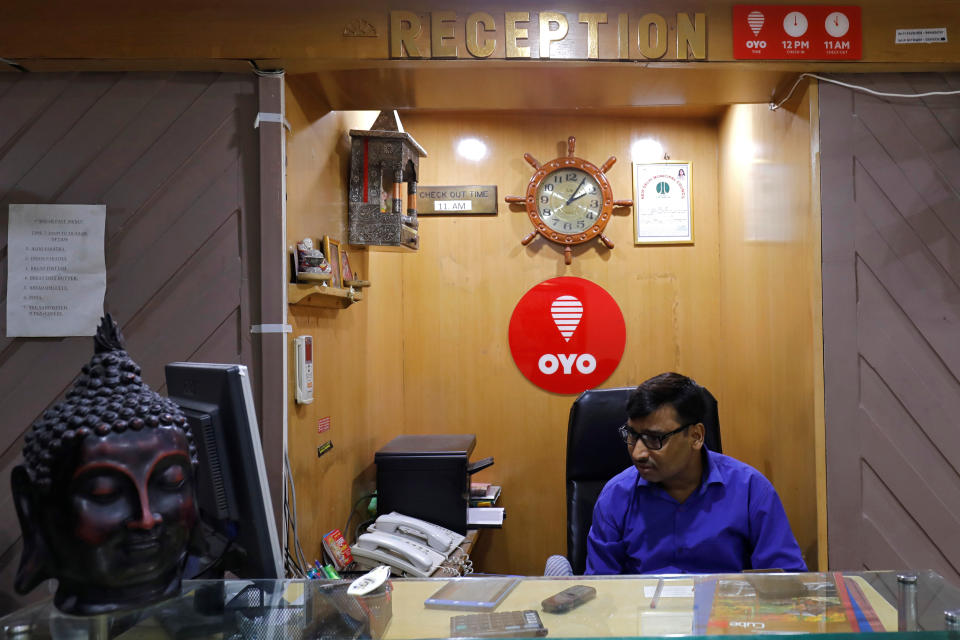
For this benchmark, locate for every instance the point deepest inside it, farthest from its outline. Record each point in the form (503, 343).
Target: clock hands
(573, 196)
(577, 197)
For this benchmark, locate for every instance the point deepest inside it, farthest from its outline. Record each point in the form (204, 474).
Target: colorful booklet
(782, 603)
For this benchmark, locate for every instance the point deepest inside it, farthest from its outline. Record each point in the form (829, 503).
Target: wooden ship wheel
(569, 200)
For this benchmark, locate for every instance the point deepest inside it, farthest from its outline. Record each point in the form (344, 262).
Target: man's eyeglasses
(652, 441)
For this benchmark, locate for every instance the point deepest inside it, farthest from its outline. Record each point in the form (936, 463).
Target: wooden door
(890, 183)
(174, 156)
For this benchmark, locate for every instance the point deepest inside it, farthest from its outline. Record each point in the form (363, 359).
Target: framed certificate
(662, 203)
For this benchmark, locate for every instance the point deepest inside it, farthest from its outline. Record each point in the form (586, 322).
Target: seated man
(682, 508)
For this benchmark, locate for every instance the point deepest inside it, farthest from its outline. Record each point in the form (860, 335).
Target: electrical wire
(346, 527)
(295, 562)
(855, 87)
(363, 525)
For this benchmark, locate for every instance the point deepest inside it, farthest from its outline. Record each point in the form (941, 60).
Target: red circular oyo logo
(567, 335)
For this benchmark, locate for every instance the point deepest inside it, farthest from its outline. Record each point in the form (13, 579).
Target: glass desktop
(832, 604)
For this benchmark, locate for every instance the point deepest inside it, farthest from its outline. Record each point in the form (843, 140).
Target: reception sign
(567, 335)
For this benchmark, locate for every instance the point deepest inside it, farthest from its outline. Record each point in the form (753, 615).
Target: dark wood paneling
(170, 154)
(891, 260)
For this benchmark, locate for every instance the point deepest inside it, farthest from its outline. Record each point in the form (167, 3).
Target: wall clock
(569, 200)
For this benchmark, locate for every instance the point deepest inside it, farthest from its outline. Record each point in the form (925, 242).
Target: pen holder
(378, 606)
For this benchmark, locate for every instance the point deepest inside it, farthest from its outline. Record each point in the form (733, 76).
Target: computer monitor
(236, 513)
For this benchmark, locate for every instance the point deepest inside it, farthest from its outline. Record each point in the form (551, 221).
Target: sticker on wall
(323, 424)
(567, 335)
(796, 32)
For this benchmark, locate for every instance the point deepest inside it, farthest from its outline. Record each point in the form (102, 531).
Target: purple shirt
(733, 521)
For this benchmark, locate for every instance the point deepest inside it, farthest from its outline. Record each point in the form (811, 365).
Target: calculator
(507, 624)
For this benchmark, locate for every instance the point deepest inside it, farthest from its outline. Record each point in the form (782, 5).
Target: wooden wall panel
(427, 351)
(770, 322)
(461, 288)
(170, 156)
(312, 32)
(357, 351)
(891, 296)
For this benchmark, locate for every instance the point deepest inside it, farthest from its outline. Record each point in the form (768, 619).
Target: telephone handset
(402, 554)
(435, 536)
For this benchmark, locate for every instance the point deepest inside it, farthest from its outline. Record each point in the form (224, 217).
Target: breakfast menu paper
(824, 603)
(56, 276)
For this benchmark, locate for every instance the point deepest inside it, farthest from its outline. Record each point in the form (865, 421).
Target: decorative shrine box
(382, 159)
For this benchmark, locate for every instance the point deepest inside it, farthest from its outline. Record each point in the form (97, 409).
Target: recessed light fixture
(646, 150)
(472, 149)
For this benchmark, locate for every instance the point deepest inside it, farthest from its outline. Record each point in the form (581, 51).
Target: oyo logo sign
(567, 335)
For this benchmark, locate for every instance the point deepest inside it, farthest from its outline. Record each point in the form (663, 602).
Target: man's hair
(674, 389)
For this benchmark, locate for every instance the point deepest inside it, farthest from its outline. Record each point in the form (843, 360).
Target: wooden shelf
(313, 295)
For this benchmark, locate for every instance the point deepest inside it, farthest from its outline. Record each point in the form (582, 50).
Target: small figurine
(105, 497)
(311, 263)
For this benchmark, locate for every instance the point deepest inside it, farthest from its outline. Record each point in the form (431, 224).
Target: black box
(428, 477)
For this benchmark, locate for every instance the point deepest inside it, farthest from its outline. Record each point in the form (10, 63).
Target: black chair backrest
(595, 453)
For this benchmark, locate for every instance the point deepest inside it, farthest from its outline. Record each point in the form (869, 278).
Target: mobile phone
(568, 599)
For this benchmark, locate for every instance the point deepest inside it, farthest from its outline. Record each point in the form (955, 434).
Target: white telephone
(402, 554)
(435, 536)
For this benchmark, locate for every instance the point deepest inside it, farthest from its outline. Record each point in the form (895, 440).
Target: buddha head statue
(105, 495)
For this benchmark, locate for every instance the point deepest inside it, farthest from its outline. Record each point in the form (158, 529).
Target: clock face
(795, 24)
(569, 200)
(837, 24)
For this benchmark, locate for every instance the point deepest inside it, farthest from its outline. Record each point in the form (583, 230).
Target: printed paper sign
(921, 36)
(56, 277)
(796, 32)
(567, 335)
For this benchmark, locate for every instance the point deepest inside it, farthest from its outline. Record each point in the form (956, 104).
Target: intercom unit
(303, 346)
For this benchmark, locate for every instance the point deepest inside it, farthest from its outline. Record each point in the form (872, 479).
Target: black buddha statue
(105, 496)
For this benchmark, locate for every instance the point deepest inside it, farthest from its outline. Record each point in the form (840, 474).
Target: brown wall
(309, 35)
(174, 159)
(426, 351)
(891, 310)
(357, 351)
(771, 399)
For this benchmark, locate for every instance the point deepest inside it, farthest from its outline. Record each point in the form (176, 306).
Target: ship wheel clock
(569, 200)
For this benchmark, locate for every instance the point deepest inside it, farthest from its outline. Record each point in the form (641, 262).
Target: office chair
(595, 453)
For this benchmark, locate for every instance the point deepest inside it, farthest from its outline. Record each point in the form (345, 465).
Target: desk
(688, 605)
(735, 604)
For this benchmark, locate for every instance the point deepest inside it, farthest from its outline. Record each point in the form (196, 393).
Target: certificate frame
(662, 214)
(331, 249)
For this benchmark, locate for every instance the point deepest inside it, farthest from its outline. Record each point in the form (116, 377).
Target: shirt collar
(712, 472)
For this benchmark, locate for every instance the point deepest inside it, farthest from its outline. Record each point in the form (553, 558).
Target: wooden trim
(314, 32)
(273, 266)
(816, 307)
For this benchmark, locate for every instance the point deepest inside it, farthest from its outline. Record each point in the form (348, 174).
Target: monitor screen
(233, 495)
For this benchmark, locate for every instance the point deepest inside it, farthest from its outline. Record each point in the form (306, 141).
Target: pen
(656, 594)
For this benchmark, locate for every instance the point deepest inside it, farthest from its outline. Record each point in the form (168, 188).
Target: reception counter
(838, 603)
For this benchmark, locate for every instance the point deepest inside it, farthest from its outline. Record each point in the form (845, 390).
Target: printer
(428, 477)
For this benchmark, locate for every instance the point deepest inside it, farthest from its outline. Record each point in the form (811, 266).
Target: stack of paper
(482, 517)
(484, 494)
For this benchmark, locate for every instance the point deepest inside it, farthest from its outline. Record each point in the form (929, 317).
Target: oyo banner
(567, 335)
